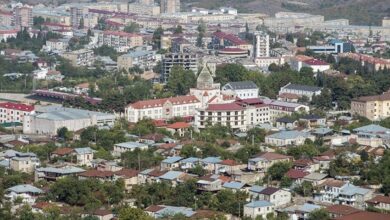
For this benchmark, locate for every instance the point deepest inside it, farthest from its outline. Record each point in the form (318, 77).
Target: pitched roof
(302, 87)
(154, 103)
(365, 215)
(273, 156)
(233, 185)
(379, 199)
(179, 125)
(63, 151)
(316, 62)
(24, 188)
(17, 106)
(382, 97)
(97, 173)
(284, 135)
(296, 174)
(341, 209)
(333, 183)
(257, 204)
(269, 191)
(372, 128)
(230, 162)
(241, 85)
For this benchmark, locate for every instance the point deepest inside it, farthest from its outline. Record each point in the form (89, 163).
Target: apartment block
(82, 57)
(186, 60)
(22, 16)
(375, 107)
(14, 112)
(119, 40)
(170, 6)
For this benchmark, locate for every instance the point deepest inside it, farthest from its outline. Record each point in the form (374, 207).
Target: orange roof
(365, 216)
(154, 103)
(333, 183)
(274, 156)
(289, 96)
(302, 58)
(229, 162)
(379, 199)
(63, 151)
(97, 173)
(341, 209)
(127, 173)
(179, 125)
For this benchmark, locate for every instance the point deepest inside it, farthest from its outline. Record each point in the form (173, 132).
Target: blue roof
(307, 207)
(4, 163)
(258, 204)
(172, 159)
(171, 175)
(173, 210)
(211, 160)
(322, 131)
(190, 160)
(234, 185)
(288, 135)
(84, 150)
(62, 170)
(24, 188)
(372, 128)
(256, 188)
(139, 53)
(349, 189)
(131, 145)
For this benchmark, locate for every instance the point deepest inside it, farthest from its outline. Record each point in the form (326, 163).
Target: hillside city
(149, 109)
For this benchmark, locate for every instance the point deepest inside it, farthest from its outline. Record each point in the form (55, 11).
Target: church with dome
(208, 92)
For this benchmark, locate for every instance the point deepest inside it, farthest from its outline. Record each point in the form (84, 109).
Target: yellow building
(372, 107)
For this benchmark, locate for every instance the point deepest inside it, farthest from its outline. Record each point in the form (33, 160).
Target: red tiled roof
(229, 37)
(229, 162)
(365, 216)
(341, 209)
(379, 199)
(225, 107)
(97, 173)
(296, 174)
(127, 173)
(289, 96)
(154, 208)
(167, 146)
(303, 162)
(62, 151)
(17, 106)
(156, 173)
(333, 183)
(153, 103)
(315, 62)
(179, 125)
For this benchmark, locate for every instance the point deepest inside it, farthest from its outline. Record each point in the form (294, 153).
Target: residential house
(337, 211)
(315, 178)
(128, 146)
(372, 107)
(84, 156)
(354, 196)
(27, 192)
(296, 176)
(179, 128)
(210, 163)
(313, 120)
(150, 176)
(189, 163)
(229, 166)
(174, 177)
(160, 211)
(380, 202)
(242, 90)
(286, 123)
(306, 165)
(54, 173)
(170, 163)
(62, 152)
(102, 214)
(97, 174)
(301, 90)
(372, 135)
(329, 190)
(301, 211)
(287, 138)
(211, 182)
(235, 186)
(276, 196)
(258, 208)
(129, 176)
(24, 162)
(265, 160)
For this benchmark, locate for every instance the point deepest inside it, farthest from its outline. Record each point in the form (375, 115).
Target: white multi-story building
(242, 90)
(256, 111)
(301, 90)
(259, 208)
(14, 112)
(167, 108)
(82, 57)
(119, 40)
(278, 108)
(226, 114)
(261, 44)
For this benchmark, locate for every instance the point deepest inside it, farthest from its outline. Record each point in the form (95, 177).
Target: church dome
(205, 79)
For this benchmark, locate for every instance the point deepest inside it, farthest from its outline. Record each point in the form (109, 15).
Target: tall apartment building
(22, 16)
(187, 60)
(261, 44)
(82, 57)
(76, 15)
(375, 107)
(6, 18)
(143, 59)
(14, 112)
(170, 6)
(119, 40)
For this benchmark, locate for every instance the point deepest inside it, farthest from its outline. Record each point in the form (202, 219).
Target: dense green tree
(64, 133)
(157, 37)
(178, 29)
(319, 214)
(129, 213)
(303, 151)
(230, 73)
(133, 27)
(277, 170)
(180, 80)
